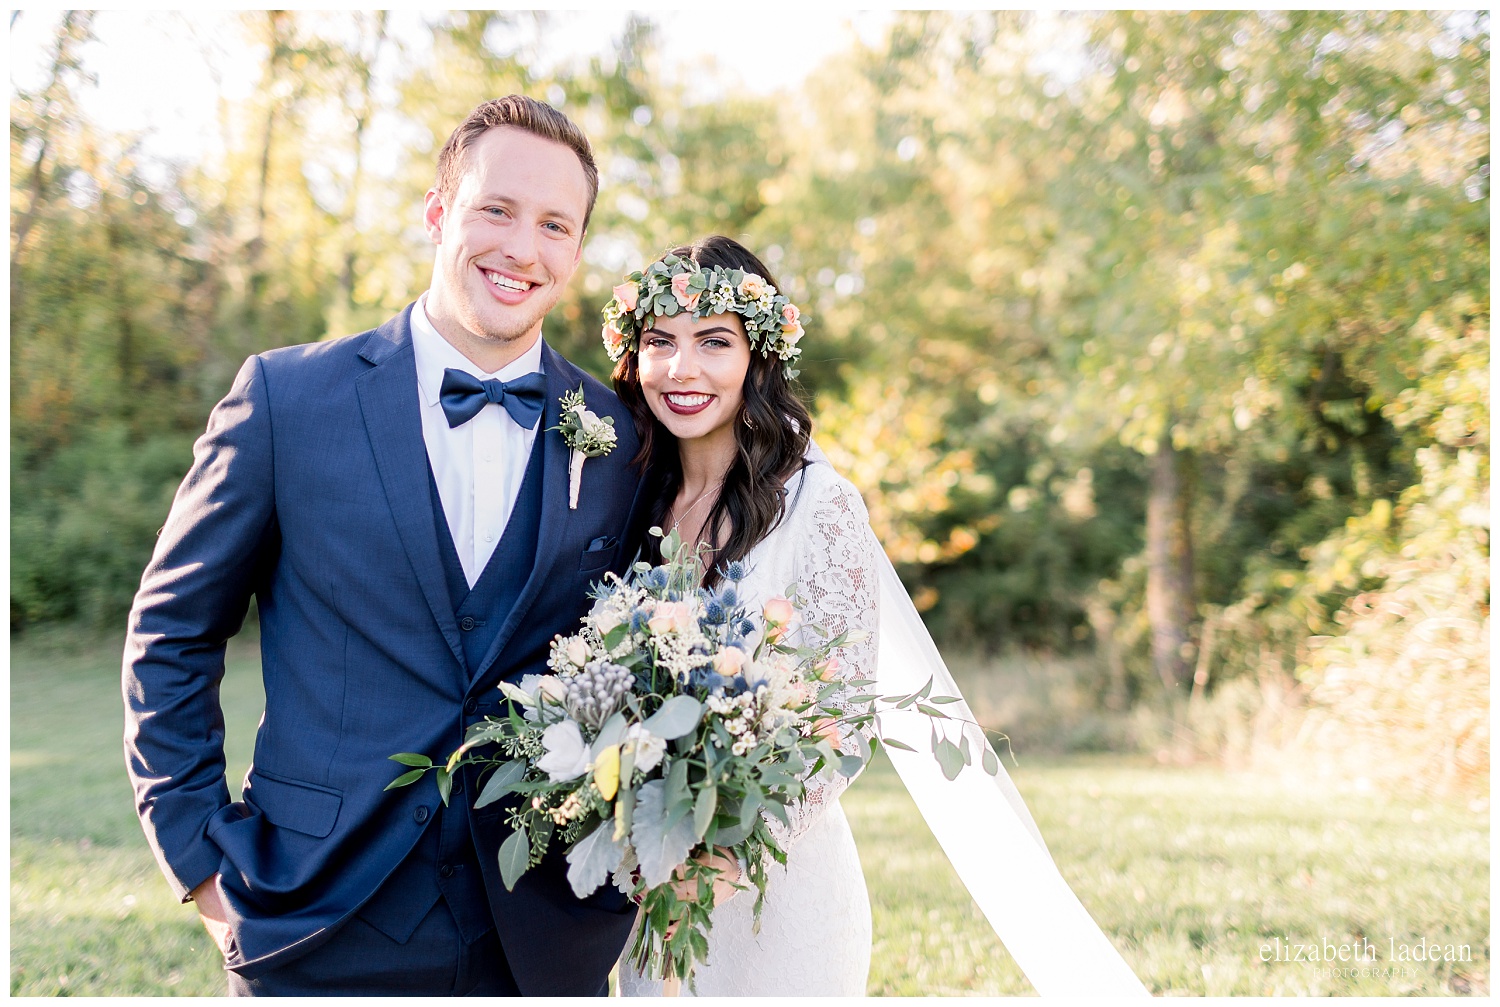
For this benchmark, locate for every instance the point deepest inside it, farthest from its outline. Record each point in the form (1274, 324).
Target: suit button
(447, 871)
(467, 623)
(420, 815)
(471, 704)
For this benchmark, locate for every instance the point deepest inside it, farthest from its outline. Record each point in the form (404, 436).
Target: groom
(396, 502)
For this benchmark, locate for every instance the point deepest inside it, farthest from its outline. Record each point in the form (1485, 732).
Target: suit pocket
(599, 554)
(291, 804)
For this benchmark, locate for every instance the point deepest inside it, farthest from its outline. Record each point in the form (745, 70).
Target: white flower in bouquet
(541, 688)
(778, 689)
(569, 654)
(567, 755)
(644, 747)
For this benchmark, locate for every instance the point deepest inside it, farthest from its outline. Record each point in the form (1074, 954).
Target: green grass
(90, 914)
(1189, 870)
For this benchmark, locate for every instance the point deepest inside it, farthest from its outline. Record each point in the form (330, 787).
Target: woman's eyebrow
(700, 332)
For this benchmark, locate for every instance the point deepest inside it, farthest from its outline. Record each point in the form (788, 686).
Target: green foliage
(83, 527)
(1032, 250)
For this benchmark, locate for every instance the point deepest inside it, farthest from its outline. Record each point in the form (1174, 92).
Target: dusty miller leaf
(659, 848)
(593, 858)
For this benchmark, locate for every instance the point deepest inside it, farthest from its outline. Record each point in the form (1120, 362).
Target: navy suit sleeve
(218, 540)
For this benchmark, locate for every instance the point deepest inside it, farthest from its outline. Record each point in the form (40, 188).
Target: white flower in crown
(586, 433)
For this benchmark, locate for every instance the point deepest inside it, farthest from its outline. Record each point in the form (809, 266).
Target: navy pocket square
(603, 542)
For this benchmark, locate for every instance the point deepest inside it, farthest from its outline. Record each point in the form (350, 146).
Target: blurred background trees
(1158, 343)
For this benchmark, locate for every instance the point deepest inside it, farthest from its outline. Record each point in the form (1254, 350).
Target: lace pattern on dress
(835, 574)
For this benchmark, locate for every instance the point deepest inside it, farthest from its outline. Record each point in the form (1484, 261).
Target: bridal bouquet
(674, 722)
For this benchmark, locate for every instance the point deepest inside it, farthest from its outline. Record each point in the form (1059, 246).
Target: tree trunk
(1169, 570)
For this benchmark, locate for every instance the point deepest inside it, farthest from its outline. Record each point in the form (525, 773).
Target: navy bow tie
(463, 395)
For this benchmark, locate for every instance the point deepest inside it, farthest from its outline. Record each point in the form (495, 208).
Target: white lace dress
(814, 937)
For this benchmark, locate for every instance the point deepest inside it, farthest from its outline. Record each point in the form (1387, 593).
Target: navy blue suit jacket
(309, 492)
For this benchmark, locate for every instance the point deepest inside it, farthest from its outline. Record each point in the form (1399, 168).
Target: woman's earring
(749, 423)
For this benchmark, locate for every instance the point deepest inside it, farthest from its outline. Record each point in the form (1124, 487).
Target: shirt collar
(434, 355)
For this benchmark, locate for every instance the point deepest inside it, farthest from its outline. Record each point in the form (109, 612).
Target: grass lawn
(1190, 871)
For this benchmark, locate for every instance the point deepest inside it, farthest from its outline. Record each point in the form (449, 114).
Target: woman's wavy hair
(770, 446)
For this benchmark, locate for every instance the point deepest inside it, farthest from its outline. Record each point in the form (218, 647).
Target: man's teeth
(689, 400)
(507, 282)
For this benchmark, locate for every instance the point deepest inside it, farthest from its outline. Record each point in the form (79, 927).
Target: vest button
(446, 871)
(420, 815)
(471, 704)
(467, 623)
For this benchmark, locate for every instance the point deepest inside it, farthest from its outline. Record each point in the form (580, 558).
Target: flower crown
(674, 283)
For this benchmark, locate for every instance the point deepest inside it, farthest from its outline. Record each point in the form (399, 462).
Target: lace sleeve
(837, 579)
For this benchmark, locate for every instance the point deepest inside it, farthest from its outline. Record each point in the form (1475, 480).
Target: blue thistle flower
(746, 627)
(706, 678)
(734, 571)
(714, 612)
(729, 597)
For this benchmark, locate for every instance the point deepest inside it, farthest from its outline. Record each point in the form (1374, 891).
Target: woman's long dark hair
(770, 448)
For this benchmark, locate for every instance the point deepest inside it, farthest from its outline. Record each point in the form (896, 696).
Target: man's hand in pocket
(211, 911)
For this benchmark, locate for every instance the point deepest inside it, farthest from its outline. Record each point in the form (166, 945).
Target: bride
(732, 467)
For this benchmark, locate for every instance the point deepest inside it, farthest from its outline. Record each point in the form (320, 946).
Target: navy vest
(444, 863)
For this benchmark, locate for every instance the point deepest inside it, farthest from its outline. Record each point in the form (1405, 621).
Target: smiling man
(396, 502)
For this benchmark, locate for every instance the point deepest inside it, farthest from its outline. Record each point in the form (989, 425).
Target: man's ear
(432, 217)
(578, 252)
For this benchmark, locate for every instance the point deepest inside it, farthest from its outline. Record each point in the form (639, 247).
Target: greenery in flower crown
(674, 284)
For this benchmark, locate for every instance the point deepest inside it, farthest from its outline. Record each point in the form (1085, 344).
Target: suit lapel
(555, 512)
(388, 401)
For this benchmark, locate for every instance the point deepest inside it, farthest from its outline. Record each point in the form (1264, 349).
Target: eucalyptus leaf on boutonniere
(587, 434)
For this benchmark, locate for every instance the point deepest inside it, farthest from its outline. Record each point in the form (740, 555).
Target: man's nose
(520, 245)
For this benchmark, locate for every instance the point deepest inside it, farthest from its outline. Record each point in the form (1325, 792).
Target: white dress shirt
(478, 465)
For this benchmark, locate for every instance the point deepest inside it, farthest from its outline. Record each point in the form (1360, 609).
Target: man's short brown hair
(536, 117)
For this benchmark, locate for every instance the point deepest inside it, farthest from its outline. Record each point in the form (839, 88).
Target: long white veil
(983, 824)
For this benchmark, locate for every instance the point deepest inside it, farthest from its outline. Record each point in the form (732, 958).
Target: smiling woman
(710, 385)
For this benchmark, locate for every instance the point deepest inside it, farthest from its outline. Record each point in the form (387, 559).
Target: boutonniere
(587, 434)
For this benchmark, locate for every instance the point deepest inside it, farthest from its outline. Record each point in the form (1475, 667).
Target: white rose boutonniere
(587, 434)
